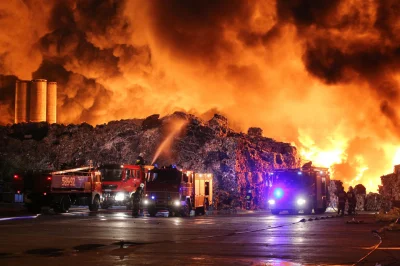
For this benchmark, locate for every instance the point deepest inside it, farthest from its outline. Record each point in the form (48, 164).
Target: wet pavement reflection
(247, 238)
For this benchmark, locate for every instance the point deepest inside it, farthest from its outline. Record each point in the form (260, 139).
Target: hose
(373, 249)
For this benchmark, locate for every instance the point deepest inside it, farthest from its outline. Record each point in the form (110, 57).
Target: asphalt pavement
(113, 237)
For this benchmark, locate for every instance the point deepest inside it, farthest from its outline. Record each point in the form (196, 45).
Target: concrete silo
(38, 96)
(21, 101)
(51, 111)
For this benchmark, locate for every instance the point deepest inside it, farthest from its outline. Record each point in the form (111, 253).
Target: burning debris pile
(373, 202)
(239, 161)
(390, 189)
(364, 202)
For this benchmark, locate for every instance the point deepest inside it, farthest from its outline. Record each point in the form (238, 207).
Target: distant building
(35, 101)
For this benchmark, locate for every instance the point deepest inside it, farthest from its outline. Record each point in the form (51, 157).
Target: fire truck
(34, 186)
(303, 189)
(60, 189)
(76, 186)
(178, 191)
(119, 182)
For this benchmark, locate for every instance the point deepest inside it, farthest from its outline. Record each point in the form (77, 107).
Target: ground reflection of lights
(279, 262)
(121, 215)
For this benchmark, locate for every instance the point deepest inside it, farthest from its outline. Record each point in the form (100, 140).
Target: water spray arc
(175, 128)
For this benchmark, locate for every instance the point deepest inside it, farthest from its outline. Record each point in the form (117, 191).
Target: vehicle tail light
(16, 176)
(49, 178)
(44, 193)
(18, 192)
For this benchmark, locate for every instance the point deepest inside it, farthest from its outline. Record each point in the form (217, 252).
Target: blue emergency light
(278, 193)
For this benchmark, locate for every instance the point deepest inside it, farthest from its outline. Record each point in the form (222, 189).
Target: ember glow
(323, 75)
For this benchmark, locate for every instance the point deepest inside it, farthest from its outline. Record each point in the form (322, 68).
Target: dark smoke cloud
(195, 29)
(306, 12)
(339, 59)
(7, 84)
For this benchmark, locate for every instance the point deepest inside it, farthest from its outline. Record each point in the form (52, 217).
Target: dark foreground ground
(112, 237)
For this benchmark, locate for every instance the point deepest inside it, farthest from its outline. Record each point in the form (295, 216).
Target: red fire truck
(304, 189)
(177, 191)
(60, 189)
(35, 187)
(76, 186)
(119, 181)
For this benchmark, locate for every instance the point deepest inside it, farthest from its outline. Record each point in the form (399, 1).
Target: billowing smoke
(323, 75)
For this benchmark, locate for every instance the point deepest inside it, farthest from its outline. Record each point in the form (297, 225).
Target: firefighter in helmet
(137, 198)
(342, 196)
(351, 200)
(140, 159)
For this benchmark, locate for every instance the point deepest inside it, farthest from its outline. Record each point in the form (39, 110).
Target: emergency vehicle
(76, 186)
(60, 189)
(35, 188)
(119, 182)
(178, 191)
(303, 189)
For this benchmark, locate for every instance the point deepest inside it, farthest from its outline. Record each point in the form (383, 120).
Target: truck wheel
(275, 212)
(64, 205)
(105, 206)
(94, 207)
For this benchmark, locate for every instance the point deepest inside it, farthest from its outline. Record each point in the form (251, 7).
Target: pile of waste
(373, 202)
(239, 162)
(389, 216)
(394, 226)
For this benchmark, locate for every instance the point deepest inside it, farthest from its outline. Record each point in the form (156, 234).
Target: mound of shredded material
(389, 216)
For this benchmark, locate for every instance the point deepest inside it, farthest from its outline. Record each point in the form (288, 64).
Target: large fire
(323, 75)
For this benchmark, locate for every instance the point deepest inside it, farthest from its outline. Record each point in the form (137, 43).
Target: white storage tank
(38, 103)
(21, 101)
(51, 111)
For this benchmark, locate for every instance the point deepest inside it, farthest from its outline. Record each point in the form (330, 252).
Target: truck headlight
(145, 202)
(177, 203)
(271, 201)
(301, 201)
(120, 196)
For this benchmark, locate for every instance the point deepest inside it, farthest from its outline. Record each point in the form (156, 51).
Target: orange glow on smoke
(326, 80)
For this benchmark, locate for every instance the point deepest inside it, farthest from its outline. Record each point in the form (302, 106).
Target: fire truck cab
(304, 189)
(119, 182)
(178, 191)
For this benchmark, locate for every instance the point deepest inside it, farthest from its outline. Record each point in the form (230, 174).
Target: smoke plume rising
(323, 75)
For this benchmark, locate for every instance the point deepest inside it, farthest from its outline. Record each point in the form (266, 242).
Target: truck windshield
(111, 174)
(165, 176)
(288, 179)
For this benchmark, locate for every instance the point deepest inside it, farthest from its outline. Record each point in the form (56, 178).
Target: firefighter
(140, 159)
(137, 198)
(249, 197)
(351, 200)
(342, 196)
